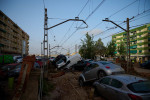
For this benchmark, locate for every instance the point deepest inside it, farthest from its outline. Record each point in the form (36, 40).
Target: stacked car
(110, 81)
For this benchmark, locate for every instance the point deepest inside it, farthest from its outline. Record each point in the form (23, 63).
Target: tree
(100, 48)
(87, 48)
(111, 48)
(121, 49)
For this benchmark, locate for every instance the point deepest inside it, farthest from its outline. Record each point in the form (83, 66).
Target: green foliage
(87, 49)
(100, 48)
(111, 48)
(122, 48)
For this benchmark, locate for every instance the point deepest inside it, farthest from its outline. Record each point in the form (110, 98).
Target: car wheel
(81, 82)
(101, 74)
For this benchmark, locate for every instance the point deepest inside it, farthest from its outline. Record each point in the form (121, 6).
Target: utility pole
(41, 48)
(128, 40)
(45, 44)
(49, 51)
(128, 46)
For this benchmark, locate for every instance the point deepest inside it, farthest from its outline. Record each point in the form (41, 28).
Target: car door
(102, 87)
(115, 89)
(86, 72)
(93, 71)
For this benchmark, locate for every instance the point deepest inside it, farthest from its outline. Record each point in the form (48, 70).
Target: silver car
(98, 70)
(123, 87)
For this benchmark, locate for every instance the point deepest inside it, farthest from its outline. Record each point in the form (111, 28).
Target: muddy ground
(67, 88)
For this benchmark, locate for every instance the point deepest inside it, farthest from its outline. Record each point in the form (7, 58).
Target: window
(95, 65)
(104, 62)
(140, 51)
(105, 81)
(115, 83)
(140, 87)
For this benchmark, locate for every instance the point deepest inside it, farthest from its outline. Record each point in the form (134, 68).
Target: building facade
(139, 42)
(13, 40)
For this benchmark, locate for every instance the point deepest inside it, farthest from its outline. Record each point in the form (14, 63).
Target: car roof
(127, 79)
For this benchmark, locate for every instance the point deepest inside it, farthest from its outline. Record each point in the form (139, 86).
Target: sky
(29, 15)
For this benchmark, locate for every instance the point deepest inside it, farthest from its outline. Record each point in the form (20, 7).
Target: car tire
(81, 82)
(101, 74)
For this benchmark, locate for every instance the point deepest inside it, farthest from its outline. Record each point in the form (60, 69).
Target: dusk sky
(29, 15)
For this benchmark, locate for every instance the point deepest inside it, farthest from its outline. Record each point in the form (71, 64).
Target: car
(123, 87)
(16, 57)
(72, 60)
(146, 64)
(19, 60)
(81, 65)
(59, 57)
(5, 70)
(68, 62)
(51, 58)
(15, 72)
(36, 65)
(97, 70)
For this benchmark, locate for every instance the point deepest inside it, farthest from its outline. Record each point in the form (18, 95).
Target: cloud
(92, 32)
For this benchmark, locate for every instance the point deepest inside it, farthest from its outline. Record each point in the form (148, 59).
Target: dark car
(81, 65)
(15, 72)
(146, 64)
(4, 71)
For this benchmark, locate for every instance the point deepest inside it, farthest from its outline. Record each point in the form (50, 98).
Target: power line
(111, 16)
(85, 20)
(73, 22)
(144, 4)
(138, 6)
(140, 17)
(122, 8)
(83, 8)
(44, 4)
(130, 27)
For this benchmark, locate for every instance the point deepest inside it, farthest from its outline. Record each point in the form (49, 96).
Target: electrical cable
(123, 8)
(73, 22)
(138, 6)
(112, 15)
(85, 20)
(83, 8)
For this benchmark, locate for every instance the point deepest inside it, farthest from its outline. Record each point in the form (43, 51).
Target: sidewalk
(138, 69)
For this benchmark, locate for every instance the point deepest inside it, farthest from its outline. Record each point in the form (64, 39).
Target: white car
(19, 60)
(69, 62)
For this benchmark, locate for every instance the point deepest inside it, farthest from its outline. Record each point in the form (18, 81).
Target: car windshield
(105, 63)
(140, 87)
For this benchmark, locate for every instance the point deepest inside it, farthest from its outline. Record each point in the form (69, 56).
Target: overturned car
(62, 61)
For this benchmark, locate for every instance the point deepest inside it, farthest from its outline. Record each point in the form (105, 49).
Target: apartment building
(13, 40)
(139, 42)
